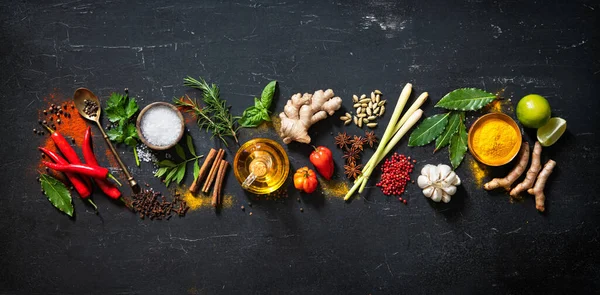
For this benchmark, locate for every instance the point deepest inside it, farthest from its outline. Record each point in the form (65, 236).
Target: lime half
(548, 134)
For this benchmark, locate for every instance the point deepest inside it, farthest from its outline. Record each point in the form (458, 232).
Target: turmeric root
(302, 111)
(532, 173)
(540, 183)
(514, 174)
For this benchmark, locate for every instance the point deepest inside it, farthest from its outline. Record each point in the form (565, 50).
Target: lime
(548, 134)
(533, 111)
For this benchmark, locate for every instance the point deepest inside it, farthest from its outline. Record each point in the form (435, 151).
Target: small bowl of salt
(160, 125)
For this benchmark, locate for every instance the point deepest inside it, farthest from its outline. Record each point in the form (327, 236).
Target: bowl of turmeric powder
(494, 139)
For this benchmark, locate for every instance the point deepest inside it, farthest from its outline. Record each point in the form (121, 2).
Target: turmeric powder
(495, 141)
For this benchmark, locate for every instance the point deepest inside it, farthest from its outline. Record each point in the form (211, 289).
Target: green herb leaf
(115, 100)
(196, 169)
(452, 127)
(251, 117)
(180, 174)
(166, 163)
(131, 108)
(190, 145)
(466, 99)
(170, 176)
(57, 193)
(180, 151)
(458, 146)
(161, 171)
(266, 97)
(255, 115)
(428, 130)
(115, 134)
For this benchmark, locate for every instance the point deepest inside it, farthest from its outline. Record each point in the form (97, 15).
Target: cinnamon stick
(216, 196)
(203, 171)
(213, 171)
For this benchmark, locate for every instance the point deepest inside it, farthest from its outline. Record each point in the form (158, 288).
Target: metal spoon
(83, 95)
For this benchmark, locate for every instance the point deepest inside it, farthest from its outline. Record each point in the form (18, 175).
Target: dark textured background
(478, 243)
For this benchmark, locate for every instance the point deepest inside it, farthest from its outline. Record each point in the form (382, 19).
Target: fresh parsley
(255, 115)
(120, 110)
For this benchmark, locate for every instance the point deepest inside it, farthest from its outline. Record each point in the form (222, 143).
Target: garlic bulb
(438, 182)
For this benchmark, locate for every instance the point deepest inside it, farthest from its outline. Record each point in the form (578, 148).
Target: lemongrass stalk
(417, 104)
(389, 130)
(410, 122)
(387, 135)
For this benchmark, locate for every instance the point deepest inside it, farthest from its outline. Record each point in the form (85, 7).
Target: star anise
(371, 138)
(342, 140)
(351, 155)
(358, 142)
(352, 170)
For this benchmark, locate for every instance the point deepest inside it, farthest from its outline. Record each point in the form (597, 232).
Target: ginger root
(302, 111)
(532, 173)
(540, 183)
(514, 174)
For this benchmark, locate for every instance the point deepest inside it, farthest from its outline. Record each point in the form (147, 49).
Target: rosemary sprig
(214, 116)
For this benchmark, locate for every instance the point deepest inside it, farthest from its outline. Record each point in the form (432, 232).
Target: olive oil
(261, 166)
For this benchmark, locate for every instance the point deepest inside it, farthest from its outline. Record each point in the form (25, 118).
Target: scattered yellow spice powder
(334, 188)
(479, 172)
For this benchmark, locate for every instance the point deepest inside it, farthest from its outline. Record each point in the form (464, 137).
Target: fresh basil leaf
(180, 151)
(265, 115)
(458, 146)
(57, 193)
(428, 130)
(258, 104)
(465, 99)
(266, 97)
(251, 117)
(190, 145)
(196, 169)
(131, 108)
(452, 127)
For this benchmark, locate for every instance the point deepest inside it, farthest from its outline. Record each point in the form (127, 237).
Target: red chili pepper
(305, 180)
(87, 170)
(65, 148)
(80, 186)
(322, 158)
(88, 155)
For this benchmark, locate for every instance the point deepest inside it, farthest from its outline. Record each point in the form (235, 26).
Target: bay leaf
(453, 122)
(57, 193)
(465, 99)
(458, 146)
(428, 130)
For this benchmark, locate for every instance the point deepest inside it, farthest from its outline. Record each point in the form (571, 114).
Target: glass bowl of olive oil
(261, 166)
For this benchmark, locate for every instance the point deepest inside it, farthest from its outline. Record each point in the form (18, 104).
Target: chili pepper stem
(93, 204)
(115, 179)
(48, 127)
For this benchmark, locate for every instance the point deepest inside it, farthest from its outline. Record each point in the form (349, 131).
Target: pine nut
(372, 125)
(377, 92)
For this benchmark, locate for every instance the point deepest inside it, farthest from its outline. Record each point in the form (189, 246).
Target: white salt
(161, 126)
